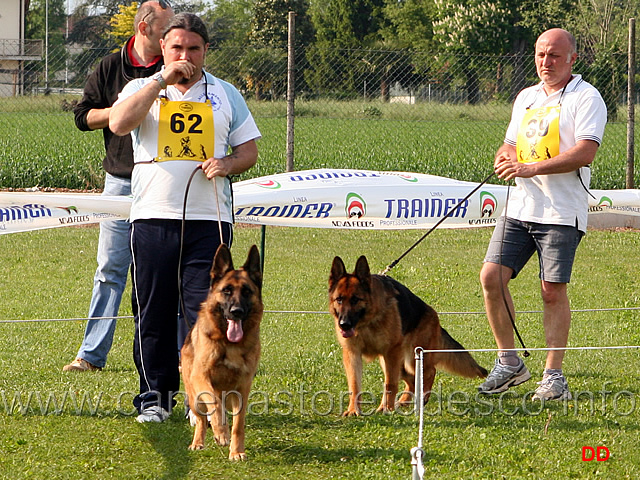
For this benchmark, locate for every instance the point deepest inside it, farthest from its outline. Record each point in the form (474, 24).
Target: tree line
(397, 39)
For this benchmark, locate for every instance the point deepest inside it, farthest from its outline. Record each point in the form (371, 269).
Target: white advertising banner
(20, 212)
(363, 199)
(323, 198)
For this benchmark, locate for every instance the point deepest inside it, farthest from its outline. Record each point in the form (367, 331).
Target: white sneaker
(503, 377)
(154, 414)
(552, 387)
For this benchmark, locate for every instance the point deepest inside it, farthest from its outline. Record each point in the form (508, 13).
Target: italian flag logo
(270, 184)
(488, 204)
(408, 178)
(355, 206)
(605, 202)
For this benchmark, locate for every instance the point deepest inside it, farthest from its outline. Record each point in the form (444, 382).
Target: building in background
(14, 49)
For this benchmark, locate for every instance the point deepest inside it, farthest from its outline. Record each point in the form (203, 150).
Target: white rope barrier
(541, 349)
(319, 312)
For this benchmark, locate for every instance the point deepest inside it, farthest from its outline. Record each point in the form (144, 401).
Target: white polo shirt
(158, 188)
(561, 198)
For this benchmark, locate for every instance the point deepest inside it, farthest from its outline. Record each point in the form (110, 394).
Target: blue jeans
(114, 259)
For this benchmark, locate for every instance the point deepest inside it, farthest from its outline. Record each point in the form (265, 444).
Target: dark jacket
(101, 91)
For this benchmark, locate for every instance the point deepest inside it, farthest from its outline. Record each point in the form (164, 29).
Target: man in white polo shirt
(189, 129)
(555, 130)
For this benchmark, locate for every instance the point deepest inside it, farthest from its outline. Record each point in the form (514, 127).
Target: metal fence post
(291, 92)
(631, 100)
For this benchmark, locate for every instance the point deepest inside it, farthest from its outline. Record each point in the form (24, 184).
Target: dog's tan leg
(407, 397)
(201, 402)
(391, 364)
(429, 375)
(219, 422)
(200, 433)
(353, 368)
(204, 401)
(239, 409)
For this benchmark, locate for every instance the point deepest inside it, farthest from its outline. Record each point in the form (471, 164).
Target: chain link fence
(425, 112)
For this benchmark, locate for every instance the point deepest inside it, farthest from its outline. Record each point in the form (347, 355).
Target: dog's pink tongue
(348, 333)
(234, 331)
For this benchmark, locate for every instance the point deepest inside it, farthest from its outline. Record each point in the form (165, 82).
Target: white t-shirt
(158, 188)
(561, 198)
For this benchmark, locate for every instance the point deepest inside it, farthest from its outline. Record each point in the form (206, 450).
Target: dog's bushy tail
(460, 363)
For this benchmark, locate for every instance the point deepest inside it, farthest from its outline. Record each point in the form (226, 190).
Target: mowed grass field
(60, 425)
(55, 425)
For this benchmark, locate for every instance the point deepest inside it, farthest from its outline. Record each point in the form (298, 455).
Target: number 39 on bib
(539, 134)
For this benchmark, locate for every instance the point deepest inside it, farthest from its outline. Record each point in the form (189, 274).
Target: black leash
(504, 295)
(448, 214)
(182, 228)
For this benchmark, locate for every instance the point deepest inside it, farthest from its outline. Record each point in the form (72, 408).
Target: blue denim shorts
(513, 246)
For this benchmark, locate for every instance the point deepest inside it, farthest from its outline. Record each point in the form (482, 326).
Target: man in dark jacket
(140, 57)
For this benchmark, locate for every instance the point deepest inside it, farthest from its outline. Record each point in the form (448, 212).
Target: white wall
(10, 18)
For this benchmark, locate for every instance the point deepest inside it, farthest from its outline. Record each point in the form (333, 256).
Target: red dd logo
(600, 454)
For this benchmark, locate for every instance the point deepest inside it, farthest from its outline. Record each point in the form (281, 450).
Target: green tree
(601, 30)
(343, 29)
(409, 23)
(349, 23)
(470, 28)
(121, 23)
(229, 22)
(269, 23)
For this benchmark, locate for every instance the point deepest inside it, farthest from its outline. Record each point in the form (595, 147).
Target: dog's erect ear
(362, 271)
(222, 263)
(337, 271)
(253, 267)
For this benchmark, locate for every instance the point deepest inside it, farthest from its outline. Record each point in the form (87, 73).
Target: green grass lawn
(294, 429)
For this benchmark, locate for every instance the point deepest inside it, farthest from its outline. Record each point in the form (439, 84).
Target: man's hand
(177, 71)
(508, 169)
(241, 159)
(217, 167)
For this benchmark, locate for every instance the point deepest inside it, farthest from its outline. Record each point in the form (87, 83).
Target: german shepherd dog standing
(221, 352)
(376, 316)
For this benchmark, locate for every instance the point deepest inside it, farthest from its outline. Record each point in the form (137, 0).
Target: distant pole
(66, 39)
(46, 46)
(291, 90)
(631, 100)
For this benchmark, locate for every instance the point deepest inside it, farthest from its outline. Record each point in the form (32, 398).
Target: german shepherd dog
(376, 316)
(221, 352)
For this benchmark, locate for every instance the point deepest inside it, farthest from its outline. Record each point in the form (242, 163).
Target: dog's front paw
(221, 434)
(196, 446)
(406, 400)
(351, 412)
(237, 456)
(384, 409)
